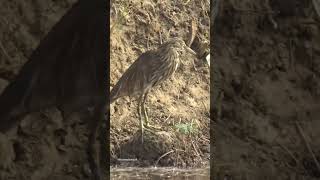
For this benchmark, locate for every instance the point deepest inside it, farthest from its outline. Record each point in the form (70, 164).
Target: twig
(193, 31)
(194, 65)
(195, 149)
(165, 154)
(127, 160)
(185, 3)
(308, 145)
(168, 117)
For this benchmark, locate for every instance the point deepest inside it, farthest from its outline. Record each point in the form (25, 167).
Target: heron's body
(149, 70)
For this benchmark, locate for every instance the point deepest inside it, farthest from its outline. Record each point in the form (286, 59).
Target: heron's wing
(136, 78)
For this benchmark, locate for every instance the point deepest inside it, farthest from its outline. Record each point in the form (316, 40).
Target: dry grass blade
(193, 31)
(195, 149)
(165, 154)
(167, 117)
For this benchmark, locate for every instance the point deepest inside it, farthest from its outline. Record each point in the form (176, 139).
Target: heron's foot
(152, 127)
(147, 122)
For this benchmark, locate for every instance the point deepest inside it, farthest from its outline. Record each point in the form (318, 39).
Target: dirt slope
(179, 106)
(266, 72)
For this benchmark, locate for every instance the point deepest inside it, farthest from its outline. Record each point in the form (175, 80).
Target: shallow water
(159, 173)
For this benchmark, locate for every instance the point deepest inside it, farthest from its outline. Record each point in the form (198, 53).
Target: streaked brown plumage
(150, 69)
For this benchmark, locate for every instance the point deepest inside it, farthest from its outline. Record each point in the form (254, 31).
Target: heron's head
(178, 45)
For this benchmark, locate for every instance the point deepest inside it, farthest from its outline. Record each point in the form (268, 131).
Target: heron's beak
(208, 59)
(191, 51)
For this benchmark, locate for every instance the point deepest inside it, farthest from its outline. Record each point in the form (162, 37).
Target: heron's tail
(113, 95)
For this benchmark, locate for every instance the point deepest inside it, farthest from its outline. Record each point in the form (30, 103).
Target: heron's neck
(170, 56)
(173, 56)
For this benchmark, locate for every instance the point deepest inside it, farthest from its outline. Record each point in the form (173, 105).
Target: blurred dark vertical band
(105, 130)
(104, 135)
(214, 10)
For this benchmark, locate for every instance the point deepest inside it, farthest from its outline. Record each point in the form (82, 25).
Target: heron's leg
(140, 117)
(145, 113)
